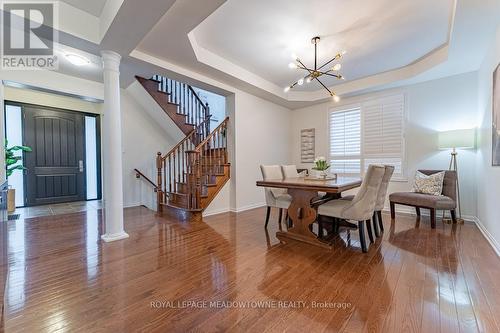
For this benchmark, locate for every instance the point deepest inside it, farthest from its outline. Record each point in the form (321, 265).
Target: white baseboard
(217, 211)
(408, 210)
(235, 210)
(130, 205)
(248, 207)
(489, 237)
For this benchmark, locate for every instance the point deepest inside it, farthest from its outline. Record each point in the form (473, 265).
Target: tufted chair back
(362, 205)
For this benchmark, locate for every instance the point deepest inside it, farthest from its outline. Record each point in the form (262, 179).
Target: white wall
(433, 106)
(260, 132)
(487, 176)
(142, 138)
(262, 137)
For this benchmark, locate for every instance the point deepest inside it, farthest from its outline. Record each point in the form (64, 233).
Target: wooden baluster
(197, 112)
(191, 111)
(198, 181)
(177, 93)
(188, 111)
(169, 173)
(184, 162)
(184, 104)
(188, 182)
(207, 114)
(159, 196)
(178, 167)
(169, 90)
(175, 158)
(211, 152)
(219, 151)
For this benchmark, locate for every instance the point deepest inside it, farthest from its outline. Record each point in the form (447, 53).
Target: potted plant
(13, 163)
(321, 165)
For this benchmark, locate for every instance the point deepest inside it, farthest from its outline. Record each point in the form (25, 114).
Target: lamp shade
(462, 138)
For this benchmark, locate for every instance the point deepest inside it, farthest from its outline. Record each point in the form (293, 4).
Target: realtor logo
(29, 32)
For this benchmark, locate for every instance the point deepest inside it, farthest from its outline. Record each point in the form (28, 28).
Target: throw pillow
(429, 184)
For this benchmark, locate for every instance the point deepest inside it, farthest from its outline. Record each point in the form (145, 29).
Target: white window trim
(404, 165)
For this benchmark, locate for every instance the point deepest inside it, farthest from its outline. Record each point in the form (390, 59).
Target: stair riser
(179, 200)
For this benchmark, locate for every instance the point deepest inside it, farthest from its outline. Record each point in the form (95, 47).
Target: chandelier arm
(334, 75)
(304, 66)
(331, 93)
(326, 63)
(307, 69)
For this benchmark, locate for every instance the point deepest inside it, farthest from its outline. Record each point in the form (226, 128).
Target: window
(91, 157)
(14, 135)
(371, 133)
(345, 141)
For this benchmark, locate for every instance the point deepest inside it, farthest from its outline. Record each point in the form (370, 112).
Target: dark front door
(55, 167)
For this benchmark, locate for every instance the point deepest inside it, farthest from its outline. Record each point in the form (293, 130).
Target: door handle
(80, 165)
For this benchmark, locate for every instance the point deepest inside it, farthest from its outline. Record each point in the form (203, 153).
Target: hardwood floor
(61, 277)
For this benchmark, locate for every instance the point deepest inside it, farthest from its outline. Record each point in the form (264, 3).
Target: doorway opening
(65, 162)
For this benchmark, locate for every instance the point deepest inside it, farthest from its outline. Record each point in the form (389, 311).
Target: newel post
(159, 193)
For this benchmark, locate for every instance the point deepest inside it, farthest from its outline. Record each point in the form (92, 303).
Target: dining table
(303, 210)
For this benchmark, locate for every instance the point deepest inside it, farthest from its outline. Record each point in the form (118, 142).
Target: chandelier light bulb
(337, 67)
(292, 65)
(300, 82)
(309, 79)
(287, 89)
(336, 98)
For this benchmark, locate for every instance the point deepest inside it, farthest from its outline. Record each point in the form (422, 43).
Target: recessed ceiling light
(77, 59)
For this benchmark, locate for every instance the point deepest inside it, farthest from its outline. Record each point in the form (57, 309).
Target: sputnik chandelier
(317, 72)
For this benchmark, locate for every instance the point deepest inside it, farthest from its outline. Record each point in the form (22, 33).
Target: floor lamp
(457, 139)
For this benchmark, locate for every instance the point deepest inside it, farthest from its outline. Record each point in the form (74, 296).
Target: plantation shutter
(372, 133)
(345, 141)
(383, 137)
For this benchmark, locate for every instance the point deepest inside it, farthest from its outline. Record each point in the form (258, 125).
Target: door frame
(97, 116)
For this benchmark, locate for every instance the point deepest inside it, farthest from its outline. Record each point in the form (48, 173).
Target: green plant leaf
(23, 148)
(12, 161)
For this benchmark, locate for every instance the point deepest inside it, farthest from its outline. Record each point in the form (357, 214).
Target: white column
(112, 149)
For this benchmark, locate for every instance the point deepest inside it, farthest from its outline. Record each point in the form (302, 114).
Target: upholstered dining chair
(275, 197)
(290, 171)
(379, 206)
(361, 207)
(382, 194)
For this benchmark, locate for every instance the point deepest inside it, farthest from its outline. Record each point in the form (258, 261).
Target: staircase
(192, 173)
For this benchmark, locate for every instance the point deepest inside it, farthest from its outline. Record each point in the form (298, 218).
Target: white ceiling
(171, 37)
(379, 35)
(93, 7)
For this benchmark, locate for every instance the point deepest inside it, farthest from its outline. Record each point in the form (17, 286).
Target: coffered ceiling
(93, 7)
(379, 35)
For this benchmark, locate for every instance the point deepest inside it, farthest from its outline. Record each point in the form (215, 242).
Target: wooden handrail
(197, 97)
(216, 130)
(187, 137)
(139, 174)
